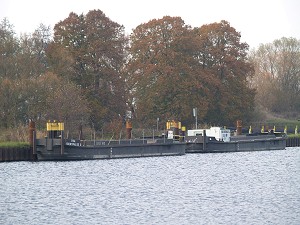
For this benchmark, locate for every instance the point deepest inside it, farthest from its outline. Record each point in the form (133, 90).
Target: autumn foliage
(174, 68)
(90, 73)
(92, 47)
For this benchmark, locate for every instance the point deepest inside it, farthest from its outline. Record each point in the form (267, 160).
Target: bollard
(238, 127)
(31, 132)
(32, 138)
(128, 129)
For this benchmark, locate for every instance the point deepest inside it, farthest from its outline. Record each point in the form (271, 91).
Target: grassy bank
(294, 135)
(10, 144)
(286, 122)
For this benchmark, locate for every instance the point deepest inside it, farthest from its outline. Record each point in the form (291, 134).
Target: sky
(258, 21)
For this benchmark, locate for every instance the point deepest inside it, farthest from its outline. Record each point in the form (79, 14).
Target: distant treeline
(88, 72)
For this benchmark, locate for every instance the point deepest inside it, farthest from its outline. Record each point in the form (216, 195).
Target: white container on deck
(219, 133)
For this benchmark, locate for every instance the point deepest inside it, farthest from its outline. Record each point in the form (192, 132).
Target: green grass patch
(281, 123)
(284, 121)
(11, 144)
(293, 135)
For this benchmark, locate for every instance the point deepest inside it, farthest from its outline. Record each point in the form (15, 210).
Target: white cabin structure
(219, 133)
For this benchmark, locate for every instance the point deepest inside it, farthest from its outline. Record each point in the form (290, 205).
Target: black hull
(57, 153)
(246, 145)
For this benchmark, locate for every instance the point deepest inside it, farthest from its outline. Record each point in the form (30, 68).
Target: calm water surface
(230, 188)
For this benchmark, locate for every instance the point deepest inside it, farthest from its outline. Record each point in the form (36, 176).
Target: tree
(277, 75)
(93, 48)
(173, 69)
(32, 60)
(27, 91)
(9, 48)
(224, 58)
(8, 103)
(22, 61)
(64, 102)
(161, 71)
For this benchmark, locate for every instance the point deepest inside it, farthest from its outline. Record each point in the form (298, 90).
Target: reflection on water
(230, 188)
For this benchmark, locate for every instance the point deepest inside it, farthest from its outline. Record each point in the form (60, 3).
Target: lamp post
(157, 120)
(195, 115)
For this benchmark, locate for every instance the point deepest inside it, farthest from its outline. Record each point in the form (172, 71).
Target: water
(225, 188)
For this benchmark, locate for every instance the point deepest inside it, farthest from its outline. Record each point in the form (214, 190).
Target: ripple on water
(238, 188)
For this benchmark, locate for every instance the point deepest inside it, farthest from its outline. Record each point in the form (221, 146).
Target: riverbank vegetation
(11, 144)
(89, 73)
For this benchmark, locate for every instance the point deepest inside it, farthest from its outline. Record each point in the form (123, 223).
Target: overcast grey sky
(259, 21)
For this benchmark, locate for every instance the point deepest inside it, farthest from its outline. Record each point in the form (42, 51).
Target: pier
(293, 142)
(16, 154)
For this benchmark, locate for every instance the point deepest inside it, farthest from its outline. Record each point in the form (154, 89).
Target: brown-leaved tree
(163, 74)
(224, 57)
(89, 50)
(173, 69)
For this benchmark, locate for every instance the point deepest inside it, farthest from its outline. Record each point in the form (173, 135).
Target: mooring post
(62, 143)
(204, 140)
(32, 137)
(238, 127)
(128, 129)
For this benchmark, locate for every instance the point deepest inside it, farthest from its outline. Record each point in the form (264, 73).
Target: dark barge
(219, 141)
(56, 148)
